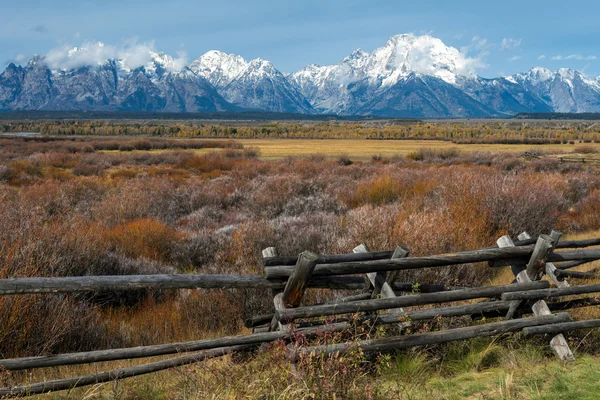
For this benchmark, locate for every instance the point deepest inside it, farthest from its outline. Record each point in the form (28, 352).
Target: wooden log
(400, 252)
(543, 248)
(525, 240)
(18, 286)
(575, 303)
(380, 285)
(267, 318)
(550, 269)
(258, 320)
(448, 335)
(384, 255)
(298, 281)
(549, 293)
(524, 236)
(406, 301)
(294, 288)
(155, 350)
(473, 256)
(331, 258)
(576, 274)
(345, 268)
(555, 275)
(131, 282)
(562, 327)
(553, 306)
(254, 339)
(565, 257)
(572, 264)
(279, 308)
(518, 265)
(559, 343)
(122, 373)
(270, 253)
(347, 299)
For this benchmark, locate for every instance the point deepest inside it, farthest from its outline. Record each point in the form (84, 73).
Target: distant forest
(559, 116)
(463, 131)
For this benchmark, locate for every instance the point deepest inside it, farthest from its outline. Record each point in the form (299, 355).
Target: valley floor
(357, 149)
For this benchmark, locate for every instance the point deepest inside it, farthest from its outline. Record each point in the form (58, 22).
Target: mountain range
(410, 76)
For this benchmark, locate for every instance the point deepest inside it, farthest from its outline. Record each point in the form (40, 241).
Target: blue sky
(291, 34)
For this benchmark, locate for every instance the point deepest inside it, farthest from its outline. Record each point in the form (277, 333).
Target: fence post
(551, 268)
(543, 248)
(380, 284)
(294, 288)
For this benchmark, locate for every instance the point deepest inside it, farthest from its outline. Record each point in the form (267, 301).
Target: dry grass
(365, 149)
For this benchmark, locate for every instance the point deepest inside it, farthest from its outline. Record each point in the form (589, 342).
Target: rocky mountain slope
(410, 76)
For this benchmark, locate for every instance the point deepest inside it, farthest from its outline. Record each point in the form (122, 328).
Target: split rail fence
(528, 305)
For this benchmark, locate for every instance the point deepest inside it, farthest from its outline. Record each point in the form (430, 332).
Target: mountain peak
(218, 68)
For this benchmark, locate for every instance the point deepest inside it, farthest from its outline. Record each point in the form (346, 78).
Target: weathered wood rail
(380, 300)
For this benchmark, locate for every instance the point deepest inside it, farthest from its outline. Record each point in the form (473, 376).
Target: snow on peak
(218, 67)
(129, 56)
(426, 55)
(398, 58)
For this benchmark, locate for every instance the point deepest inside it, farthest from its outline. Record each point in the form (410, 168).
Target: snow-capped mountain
(564, 90)
(219, 68)
(359, 78)
(109, 86)
(253, 85)
(410, 76)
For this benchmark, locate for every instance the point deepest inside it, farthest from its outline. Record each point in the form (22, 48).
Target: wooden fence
(380, 300)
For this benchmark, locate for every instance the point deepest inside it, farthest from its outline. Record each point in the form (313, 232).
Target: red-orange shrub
(146, 238)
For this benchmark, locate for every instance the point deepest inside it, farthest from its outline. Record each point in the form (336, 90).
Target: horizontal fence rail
(291, 314)
(437, 337)
(382, 255)
(465, 257)
(74, 284)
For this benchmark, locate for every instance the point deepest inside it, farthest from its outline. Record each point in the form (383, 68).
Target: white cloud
(542, 57)
(515, 58)
(509, 43)
(580, 57)
(479, 42)
(131, 53)
(18, 59)
(577, 57)
(468, 62)
(181, 61)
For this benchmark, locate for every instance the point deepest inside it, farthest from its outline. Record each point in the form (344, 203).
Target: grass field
(523, 374)
(365, 149)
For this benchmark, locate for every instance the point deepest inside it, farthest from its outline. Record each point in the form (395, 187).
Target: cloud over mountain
(132, 54)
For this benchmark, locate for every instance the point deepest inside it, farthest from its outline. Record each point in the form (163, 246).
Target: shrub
(6, 173)
(142, 145)
(344, 160)
(146, 238)
(585, 149)
(430, 155)
(126, 147)
(589, 211)
(125, 173)
(88, 170)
